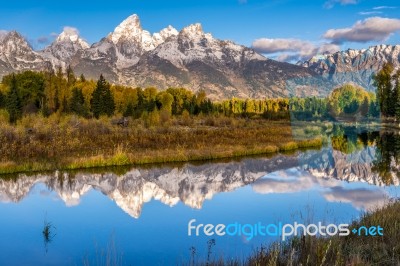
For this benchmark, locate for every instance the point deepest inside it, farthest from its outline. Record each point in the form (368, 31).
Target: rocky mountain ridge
(193, 59)
(357, 66)
(133, 56)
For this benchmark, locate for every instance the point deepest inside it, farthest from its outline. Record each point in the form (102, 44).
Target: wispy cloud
(383, 7)
(370, 29)
(292, 49)
(43, 40)
(331, 3)
(368, 13)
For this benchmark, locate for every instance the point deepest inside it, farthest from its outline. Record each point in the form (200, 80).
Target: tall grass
(69, 142)
(336, 250)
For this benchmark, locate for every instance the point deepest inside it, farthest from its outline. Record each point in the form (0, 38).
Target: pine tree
(77, 104)
(96, 101)
(82, 78)
(62, 92)
(70, 76)
(2, 100)
(108, 101)
(13, 103)
(102, 102)
(129, 110)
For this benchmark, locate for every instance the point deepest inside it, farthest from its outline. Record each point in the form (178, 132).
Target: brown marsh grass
(69, 142)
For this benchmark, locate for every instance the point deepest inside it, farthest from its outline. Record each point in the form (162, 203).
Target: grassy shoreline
(332, 250)
(68, 143)
(124, 159)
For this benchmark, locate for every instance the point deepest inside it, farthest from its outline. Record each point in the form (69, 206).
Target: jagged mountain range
(357, 66)
(193, 59)
(193, 184)
(190, 184)
(132, 56)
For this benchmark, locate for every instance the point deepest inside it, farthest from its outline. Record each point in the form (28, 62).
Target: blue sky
(300, 26)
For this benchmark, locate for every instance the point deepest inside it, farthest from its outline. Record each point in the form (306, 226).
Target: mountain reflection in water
(374, 161)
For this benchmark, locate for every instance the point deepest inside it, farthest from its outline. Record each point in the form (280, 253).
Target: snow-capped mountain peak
(13, 36)
(17, 54)
(129, 29)
(133, 56)
(64, 47)
(192, 31)
(70, 34)
(168, 32)
(163, 35)
(132, 38)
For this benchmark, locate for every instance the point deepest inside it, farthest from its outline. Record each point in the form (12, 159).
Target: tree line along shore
(55, 119)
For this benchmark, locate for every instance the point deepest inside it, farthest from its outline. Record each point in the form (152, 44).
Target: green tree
(62, 92)
(347, 100)
(102, 102)
(396, 79)
(13, 103)
(71, 79)
(384, 90)
(165, 99)
(77, 103)
(364, 108)
(2, 100)
(51, 103)
(31, 86)
(82, 78)
(129, 111)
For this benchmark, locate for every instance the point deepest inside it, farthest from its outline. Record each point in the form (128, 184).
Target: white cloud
(268, 46)
(383, 7)
(292, 49)
(331, 3)
(370, 29)
(284, 182)
(71, 30)
(290, 181)
(362, 199)
(328, 48)
(368, 13)
(283, 185)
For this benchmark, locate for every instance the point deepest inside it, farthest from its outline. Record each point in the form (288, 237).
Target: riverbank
(69, 142)
(336, 250)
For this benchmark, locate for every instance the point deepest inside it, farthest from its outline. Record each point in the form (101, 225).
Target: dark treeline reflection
(350, 139)
(387, 148)
(387, 156)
